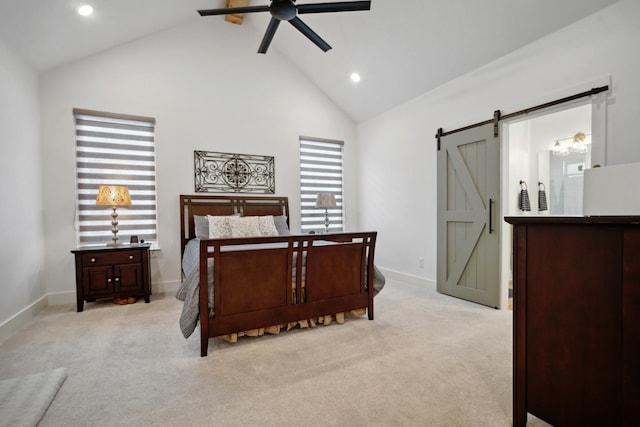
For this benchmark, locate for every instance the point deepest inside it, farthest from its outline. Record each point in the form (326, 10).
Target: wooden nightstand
(112, 271)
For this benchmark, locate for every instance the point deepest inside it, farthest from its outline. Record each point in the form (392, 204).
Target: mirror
(562, 175)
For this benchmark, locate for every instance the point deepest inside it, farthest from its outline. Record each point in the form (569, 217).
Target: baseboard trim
(21, 318)
(406, 278)
(27, 314)
(69, 297)
(61, 298)
(166, 287)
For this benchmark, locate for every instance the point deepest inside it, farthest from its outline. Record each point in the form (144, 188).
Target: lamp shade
(326, 200)
(113, 195)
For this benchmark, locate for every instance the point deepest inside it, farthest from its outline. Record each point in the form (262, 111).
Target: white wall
(22, 248)
(519, 165)
(208, 90)
(398, 148)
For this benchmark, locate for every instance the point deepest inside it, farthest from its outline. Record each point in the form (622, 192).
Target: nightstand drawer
(109, 258)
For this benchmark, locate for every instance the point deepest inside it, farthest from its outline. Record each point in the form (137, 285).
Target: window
(320, 171)
(115, 149)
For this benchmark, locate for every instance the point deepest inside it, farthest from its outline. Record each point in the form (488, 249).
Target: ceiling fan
(287, 10)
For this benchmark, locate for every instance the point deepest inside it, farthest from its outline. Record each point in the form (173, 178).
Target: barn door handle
(490, 216)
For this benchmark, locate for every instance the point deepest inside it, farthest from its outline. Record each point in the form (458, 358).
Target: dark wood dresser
(576, 331)
(112, 271)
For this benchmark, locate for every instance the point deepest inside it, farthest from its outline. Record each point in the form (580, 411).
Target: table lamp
(326, 201)
(114, 196)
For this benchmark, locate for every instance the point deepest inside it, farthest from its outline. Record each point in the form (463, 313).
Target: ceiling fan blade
(309, 33)
(345, 6)
(268, 35)
(233, 10)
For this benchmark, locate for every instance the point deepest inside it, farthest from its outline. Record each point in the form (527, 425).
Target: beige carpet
(427, 360)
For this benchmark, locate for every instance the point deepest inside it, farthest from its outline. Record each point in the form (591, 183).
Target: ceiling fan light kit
(287, 10)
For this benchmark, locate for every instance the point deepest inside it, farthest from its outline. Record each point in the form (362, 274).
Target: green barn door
(469, 216)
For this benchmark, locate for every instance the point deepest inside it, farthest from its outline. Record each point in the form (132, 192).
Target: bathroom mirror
(562, 174)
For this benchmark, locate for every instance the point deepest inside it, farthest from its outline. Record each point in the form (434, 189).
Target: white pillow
(219, 227)
(246, 226)
(267, 226)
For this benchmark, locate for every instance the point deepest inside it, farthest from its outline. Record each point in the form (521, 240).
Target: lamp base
(326, 221)
(114, 227)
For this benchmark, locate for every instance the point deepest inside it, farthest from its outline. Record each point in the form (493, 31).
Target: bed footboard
(283, 279)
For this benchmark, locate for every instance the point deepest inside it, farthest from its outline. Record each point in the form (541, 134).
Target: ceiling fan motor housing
(286, 10)
(283, 10)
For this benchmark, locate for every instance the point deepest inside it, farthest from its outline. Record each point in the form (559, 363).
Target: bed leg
(204, 346)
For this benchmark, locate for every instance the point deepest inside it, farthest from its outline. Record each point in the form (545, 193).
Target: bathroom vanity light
(559, 149)
(578, 144)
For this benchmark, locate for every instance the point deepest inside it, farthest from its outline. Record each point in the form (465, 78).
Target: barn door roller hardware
(497, 115)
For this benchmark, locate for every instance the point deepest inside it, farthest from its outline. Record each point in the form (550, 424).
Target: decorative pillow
(201, 226)
(246, 226)
(281, 225)
(267, 226)
(219, 227)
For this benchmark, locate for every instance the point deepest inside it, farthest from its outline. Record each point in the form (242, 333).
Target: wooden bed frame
(245, 298)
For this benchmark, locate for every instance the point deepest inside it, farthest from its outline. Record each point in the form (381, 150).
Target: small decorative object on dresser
(112, 272)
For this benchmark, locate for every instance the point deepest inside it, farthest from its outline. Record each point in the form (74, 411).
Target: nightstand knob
(117, 279)
(108, 280)
(93, 260)
(130, 256)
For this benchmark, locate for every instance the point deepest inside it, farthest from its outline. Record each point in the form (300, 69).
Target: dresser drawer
(110, 258)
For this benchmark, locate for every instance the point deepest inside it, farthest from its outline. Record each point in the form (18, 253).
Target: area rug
(24, 400)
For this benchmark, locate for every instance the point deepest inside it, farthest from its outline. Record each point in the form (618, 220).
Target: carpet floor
(426, 360)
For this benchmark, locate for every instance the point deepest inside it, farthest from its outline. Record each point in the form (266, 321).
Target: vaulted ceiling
(401, 48)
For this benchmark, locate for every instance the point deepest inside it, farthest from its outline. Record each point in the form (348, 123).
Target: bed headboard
(191, 205)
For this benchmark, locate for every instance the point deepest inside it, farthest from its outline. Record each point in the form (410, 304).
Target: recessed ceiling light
(355, 77)
(85, 10)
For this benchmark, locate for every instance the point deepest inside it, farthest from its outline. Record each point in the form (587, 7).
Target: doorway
(525, 140)
(549, 152)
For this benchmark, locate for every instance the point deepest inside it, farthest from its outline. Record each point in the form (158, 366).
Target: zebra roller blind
(115, 149)
(320, 171)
